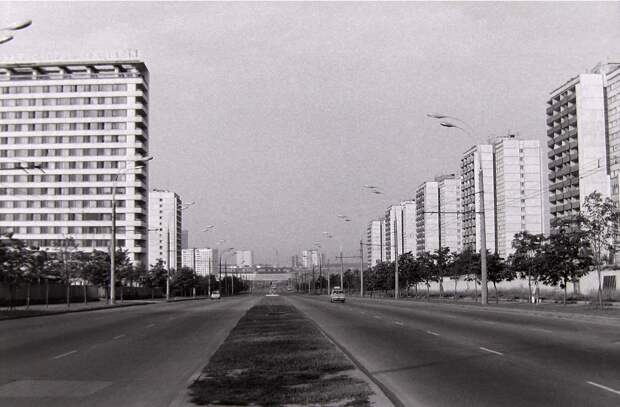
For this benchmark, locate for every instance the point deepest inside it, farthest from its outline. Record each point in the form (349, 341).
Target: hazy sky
(271, 116)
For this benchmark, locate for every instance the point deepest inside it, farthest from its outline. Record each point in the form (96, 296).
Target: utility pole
(483, 238)
(361, 269)
(168, 264)
(395, 262)
(328, 278)
(113, 250)
(341, 270)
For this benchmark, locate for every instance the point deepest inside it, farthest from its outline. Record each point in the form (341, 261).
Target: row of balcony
(559, 150)
(571, 109)
(573, 193)
(572, 169)
(572, 121)
(565, 207)
(558, 139)
(562, 184)
(563, 160)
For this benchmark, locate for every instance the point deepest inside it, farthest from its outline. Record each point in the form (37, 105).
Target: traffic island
(275, 356)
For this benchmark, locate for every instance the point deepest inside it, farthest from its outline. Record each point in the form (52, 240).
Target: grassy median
(277, 357)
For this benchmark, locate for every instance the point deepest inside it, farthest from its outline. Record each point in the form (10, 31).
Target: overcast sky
(271, 116)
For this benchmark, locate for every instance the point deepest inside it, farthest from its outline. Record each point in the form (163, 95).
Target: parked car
(215, 295)
(337, 295)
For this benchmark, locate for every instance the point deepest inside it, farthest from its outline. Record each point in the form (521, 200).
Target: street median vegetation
(275, 357)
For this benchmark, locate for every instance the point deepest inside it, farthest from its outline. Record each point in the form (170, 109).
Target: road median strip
(276, 356)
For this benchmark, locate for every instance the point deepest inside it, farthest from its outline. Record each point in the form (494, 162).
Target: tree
(156, 277)
(427, 270)
(185, 279)
(568, 259)
(12, 257)
(498, 272)
(464, 263)
(599, 221)
(408, 271)
(526, 260)
(443, 261)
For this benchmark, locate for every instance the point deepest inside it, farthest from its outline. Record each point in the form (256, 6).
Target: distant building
(184, 239)
(449, 190)
(393, 232)
(84, 123)
(470, 196)
(427, 217)
(165, 223)
(374, 239)
(518, 190)
(244, 258)
(202, 261)
(409, 227)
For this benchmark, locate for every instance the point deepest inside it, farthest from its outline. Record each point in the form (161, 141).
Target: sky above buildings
(272, 116)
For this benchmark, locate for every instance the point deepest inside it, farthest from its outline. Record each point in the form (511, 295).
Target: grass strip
(277, 357)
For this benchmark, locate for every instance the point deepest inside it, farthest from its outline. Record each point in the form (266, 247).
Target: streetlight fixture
(13, 27)
(142, 162)
(483, 235)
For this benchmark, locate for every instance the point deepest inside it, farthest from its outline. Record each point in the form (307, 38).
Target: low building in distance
(203, 260)
(244, 258)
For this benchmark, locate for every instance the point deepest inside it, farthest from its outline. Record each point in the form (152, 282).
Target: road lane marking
(492, 351)
(432, 333)
(399, 323)
(541, 330)
(119, 336)
(64, 354)
(377, 317)
(150, 325)
(600, 386)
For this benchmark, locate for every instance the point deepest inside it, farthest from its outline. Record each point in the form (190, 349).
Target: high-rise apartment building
(374, 246)
(184, 239)
(85, 124)
(393, 232)
(518, 190)
(165, 225)
(476, 158)
(244, 258)
(409, 227)
(202, 261)
(449, 219)
(427, 217)
(576, 131)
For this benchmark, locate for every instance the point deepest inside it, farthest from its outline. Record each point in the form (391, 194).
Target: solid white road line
(64, 354)
(119, 336)
(492, 351)
(600, 386)
(432, 333)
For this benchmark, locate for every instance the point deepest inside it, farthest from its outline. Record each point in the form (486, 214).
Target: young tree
(427, 269)
(12, 269)
(599, 221)
(464, 263)
(408, 271)
(526, 260)
(156, 277)
(443, 261)
(498, 272)
(568, 259)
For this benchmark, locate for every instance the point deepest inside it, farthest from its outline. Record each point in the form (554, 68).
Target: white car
(337, 295)
(215, 295)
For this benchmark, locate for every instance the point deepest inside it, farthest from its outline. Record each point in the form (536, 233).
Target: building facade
(165, 226)
(85, 125)
(203, 261)
(473, 160)
(393, 232)
(427, 217)
(409, 227)
(244, 258)
(518, 190)
(449, 190)
(374, 246)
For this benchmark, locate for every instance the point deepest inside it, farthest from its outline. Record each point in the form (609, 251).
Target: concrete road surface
(136, 356)
(447, 355)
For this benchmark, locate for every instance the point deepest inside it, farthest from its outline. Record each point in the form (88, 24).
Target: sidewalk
(587, 312)
(61, 308)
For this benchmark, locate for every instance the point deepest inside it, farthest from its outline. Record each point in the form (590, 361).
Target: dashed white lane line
(150, 325)
(62, 355)
(119, 336)
(541, 330)
(377, 317)
(492, 351)
(432, 333)
(399, 323)
(600, 386)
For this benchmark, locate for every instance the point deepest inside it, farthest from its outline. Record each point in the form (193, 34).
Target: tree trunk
(85, 294)
(68, 289)
(47, 293)
(565, 287)
(28, 296)
(475, 289)
(152, 293)
(496, 297)
(121, 292)
(600, 287)
(428, 291)
(455, 283)
(529, 285)
(440, 287)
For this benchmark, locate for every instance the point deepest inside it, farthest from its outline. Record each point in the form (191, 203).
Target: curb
(386, 398)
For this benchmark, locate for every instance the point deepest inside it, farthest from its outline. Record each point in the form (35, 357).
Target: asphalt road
(135, 356)
(447, 355)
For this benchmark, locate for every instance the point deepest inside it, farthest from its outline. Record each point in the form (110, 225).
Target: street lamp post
(483, 235)
(113, 237)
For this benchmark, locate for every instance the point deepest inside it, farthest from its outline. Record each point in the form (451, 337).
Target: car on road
(215, 295)
(337, 295)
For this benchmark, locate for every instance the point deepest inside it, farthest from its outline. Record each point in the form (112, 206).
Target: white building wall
(409, 227)
(244, 258)
(427, 217)
(374, 239)
(449, 218)
(204, 261)
(165, 227)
